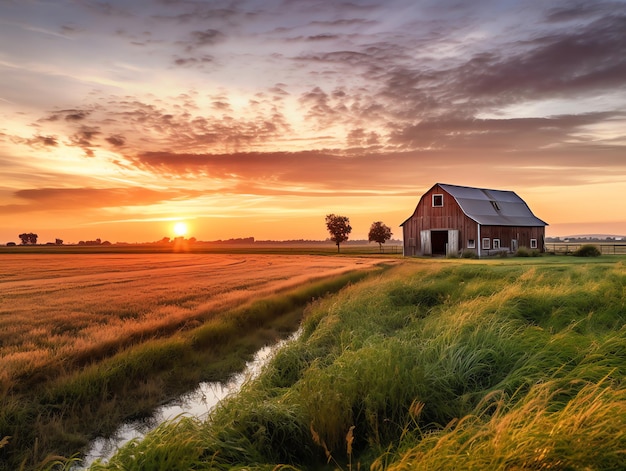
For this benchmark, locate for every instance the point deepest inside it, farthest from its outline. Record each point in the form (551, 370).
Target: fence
(605, 248)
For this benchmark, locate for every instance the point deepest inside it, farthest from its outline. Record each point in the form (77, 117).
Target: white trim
(471, 243)
(478, 225)
(533, 243)
(496, 244)
(486, 246)
(433, 201)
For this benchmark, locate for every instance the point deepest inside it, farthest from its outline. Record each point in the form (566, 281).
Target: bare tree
(338, 227)
(380, 233)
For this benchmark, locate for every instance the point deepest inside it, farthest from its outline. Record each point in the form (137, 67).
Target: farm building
(450, 220)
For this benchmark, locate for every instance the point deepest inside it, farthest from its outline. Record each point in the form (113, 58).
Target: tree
(28, 238)
(380, 233)
(338, 227)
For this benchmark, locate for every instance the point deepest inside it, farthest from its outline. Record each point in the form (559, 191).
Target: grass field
(88, 340)
(433, 365)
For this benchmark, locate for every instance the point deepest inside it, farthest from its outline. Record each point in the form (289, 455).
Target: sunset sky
(258, 117)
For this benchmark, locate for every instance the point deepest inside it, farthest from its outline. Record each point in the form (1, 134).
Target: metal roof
(493, 207)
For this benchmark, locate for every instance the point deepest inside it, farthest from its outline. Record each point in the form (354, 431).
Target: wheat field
(65, 308)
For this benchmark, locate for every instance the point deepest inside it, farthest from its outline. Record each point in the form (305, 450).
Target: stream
(197, 403)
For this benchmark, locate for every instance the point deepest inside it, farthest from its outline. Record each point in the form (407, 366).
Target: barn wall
(506, 234)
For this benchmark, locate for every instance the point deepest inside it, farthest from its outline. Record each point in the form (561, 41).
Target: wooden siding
(426, 217)
(507, 234)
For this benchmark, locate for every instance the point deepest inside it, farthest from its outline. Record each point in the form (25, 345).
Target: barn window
(486, 243)
(437, 201)
(496, 243)
(533, 243)
(471, 244)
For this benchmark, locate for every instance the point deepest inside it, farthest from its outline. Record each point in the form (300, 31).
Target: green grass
(451, 364)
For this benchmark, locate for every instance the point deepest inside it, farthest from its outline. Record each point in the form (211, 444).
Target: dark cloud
(68, 115)
(581, 61)
(116, 140)
(322, 37)
(84, 138)
(342, 23)
(198, 12)
(107, 9)
(200, 61)
(361, 138)
(207, 37)
(200, 39)
(579, 11)
(85, 135)
(533, 137)
(77, 116)
(38, 141)
(70, 30)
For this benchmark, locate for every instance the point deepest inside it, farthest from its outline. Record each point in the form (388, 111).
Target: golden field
(70, 309)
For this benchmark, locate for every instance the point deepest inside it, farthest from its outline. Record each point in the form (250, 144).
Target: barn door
(453, 242)
(427, 248)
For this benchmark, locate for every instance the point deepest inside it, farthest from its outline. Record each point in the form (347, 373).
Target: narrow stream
(197, 403)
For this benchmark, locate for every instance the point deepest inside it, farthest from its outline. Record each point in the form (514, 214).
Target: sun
(180, 229)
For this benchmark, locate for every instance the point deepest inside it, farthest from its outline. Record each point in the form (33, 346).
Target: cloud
(198, 62)
(200, 39)
(64, 199)
(542, 137)
(319, 169)
(580, 61)
(76, 116)
(70, 115)
(116, 140)
(38, 141)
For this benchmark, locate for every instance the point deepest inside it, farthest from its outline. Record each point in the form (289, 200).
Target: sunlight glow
(180, 229)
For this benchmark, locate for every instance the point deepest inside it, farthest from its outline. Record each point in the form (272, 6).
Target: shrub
(587, 250)
(525, 252)
(469, 254)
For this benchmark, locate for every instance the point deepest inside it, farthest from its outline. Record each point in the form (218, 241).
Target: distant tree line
(94, 242)
(30, 238)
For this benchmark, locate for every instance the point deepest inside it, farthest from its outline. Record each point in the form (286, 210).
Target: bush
(525, 252)
(587, 251)
(522, 252)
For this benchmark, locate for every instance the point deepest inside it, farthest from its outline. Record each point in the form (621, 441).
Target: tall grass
(432, 365)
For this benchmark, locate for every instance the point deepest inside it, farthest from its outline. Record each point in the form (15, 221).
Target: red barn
(450, 220)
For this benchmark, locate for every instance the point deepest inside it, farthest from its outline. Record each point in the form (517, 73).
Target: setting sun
(180, 229)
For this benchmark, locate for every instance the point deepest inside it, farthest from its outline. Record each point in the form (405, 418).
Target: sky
(257, 118)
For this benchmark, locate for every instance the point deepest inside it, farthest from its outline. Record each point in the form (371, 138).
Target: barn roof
(493, 207)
